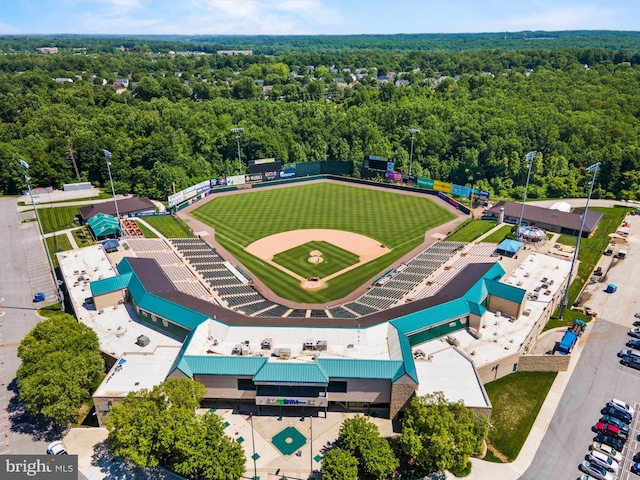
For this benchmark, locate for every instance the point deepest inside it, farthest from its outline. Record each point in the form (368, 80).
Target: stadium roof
(291, 372)
(125, 206)
(540, 215)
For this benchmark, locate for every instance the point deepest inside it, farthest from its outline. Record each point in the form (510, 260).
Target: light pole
(529, 157)
(311, 444)
(237, 131)
(412, 131)
(107, 156)
(253, 443)
(592, 169)
(25, 166)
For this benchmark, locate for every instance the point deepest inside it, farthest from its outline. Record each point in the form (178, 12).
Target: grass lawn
(50, 311)
(568, 240)
(500, 234)
(516, 401)
(334, 259)
(591, 249)
(58, 243)
(470, 230)
(169, 226)
(145, 231)
(397, 220)
(58, 218)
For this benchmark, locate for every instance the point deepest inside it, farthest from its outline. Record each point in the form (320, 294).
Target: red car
(610, 430)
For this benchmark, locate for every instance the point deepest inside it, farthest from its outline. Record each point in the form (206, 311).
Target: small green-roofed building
(103, 226)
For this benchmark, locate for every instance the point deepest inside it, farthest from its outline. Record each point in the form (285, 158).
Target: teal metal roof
(418, 321)
(172, 311)
(479, 291)
(407, 358)
(111, 284)
(221, 365)
(506, 291)
(103, 225)
(280, 371)
(183, 366)
(477, 309)
(353, 368)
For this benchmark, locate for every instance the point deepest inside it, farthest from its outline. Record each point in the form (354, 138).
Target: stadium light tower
(25, 167)
(107, 156)
(592, 169)
(529, 157)
(412, 131)
(237, 131)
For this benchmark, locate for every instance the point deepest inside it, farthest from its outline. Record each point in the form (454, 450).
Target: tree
(150, 426)
(361, 438)
(61, 365)
(338, 464)
(440, 434)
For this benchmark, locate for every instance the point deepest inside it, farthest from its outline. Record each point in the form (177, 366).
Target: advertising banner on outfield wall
(460, 191)
(441, 186)
(175, 199)
(394, 176)
(203, 186)
(269, 176)
(218, 182)
(253, 177)
(425, 182)
(236, 180)
(288, 173)
(481, 193)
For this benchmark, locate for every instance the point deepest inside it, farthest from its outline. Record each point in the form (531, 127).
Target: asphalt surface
(23, 271)
(598, 376)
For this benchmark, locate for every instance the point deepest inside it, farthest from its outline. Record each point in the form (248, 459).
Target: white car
(603, 460)
(624, 406)
(607, 450)
(56, 448)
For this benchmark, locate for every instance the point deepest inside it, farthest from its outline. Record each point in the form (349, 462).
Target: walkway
(67, 232)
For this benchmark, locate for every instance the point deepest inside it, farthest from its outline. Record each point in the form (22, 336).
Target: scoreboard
(373, 162)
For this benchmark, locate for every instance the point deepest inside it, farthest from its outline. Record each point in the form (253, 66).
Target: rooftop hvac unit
(282, 352)
(453, 341)
(237, 349)
(308, 345)
(321, 345)
(266, 343)
(142, 340)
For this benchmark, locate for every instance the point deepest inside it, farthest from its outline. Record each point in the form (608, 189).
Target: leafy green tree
(361, 438)
(61, 365)
(338, 464)
(151, 426)
(442, 435)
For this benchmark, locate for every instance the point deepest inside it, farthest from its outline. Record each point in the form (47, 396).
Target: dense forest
(166, 117)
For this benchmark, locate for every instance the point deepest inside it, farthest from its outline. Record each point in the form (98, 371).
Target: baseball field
(394, 222)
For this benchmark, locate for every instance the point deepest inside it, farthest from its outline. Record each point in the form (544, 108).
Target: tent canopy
(510, 246)
(110, 244)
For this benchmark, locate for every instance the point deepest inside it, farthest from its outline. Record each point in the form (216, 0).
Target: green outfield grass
(169, 226)
(334, 259)
(57, 218)
(398, 221)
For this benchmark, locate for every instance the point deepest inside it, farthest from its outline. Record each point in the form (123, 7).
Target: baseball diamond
(379, 227)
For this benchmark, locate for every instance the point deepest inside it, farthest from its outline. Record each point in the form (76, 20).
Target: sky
(310, 17)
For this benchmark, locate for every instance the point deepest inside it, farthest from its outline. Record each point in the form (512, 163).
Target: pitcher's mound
(315, 260)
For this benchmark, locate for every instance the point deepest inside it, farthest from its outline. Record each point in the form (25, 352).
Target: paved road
(24, 271)
(598, 376)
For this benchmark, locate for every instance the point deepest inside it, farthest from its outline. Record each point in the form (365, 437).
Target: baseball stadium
(301, 297)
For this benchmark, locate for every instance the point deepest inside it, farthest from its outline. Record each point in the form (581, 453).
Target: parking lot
(630, 449)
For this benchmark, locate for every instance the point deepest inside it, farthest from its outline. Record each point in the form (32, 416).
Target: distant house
(125, 207)
(50, 50)
(63, 80)
(228, 53)
(121, 83)
(402, 83)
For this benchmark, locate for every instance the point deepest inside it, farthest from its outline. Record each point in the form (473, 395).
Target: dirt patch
(365, 248)
(315, 260)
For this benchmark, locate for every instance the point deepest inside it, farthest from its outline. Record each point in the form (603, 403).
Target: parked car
(596, 471)
(637, 314)
(603, 460)
(617, 422)
(629, 352)
(633, 343)
(607, 450)
(632, 362)
(56, 448)
(636, 457)
(610, 430)
(613, 442)
(586, 477)
(616, 412)
(634, 332)
(623, 405)
(635, 468)
(636, 323)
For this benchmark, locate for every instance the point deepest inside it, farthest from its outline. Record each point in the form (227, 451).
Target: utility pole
(412, 131)
(237, 131)
(592, 169)
(529, 157)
